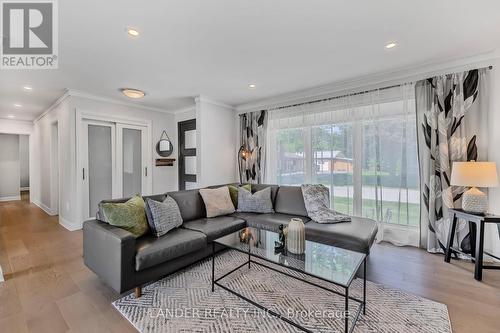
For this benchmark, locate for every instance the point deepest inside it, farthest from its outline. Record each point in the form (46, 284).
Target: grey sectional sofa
(124, 262)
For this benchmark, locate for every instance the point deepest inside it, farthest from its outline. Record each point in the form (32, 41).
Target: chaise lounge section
(124, 262)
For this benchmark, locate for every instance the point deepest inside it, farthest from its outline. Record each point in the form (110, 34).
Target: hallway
(47, 288)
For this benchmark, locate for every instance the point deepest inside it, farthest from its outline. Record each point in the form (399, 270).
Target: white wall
(165, 177)
(42, 170)
(9, 167)
(16, 126)
(24, 161)
(185, 114)
(216, 142)
(64, 114)
(492, 242)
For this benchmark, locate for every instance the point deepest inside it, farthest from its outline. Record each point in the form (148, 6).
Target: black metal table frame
(362, 303)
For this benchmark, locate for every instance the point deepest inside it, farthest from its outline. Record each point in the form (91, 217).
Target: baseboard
(24, 188)
(12, 198)
(68, 225)
(44, 208)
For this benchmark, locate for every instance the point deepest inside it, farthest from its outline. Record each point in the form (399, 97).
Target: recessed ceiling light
(11, 116)
(133, 93)
(391, 45)
(133, 32)
(17, 105)
(252, 86)
(27, 88)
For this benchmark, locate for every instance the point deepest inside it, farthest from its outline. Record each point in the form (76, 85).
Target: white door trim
(147, 179)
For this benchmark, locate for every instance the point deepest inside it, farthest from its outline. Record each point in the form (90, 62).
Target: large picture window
(333, 163)
(362, 147)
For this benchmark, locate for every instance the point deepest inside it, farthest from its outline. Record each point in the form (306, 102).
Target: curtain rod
(345, 95)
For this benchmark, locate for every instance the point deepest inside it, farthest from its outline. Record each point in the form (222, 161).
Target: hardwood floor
(47, 287)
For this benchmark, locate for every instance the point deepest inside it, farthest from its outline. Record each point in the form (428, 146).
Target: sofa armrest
(110, 253)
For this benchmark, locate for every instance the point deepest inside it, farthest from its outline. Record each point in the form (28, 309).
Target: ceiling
(216, 48)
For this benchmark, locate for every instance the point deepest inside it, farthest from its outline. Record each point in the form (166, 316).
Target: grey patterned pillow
(259, 202)
(163, 216)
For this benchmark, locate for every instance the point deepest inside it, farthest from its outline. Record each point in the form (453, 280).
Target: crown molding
(53, 106)
(83, 94)
(185, 109)
(204, 99)
(373, 81)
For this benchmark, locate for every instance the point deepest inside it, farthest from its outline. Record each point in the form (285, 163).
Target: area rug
(184, 302)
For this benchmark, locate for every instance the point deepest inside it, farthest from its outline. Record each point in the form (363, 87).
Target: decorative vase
(296, 237)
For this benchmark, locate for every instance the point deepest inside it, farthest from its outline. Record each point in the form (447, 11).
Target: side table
(479, 221)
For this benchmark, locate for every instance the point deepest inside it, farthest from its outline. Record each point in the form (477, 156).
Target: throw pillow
(163, 216)
(217, 201)
(233, 191)
(259, 202)
(130, 215)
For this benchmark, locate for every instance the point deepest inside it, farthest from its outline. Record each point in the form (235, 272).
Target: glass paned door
(98, 171)
(115, 163)
(187, 154)
(132, 160)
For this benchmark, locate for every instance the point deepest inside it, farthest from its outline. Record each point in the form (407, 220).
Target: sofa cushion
(190, 204)
(289, 200)
(258, 202)
(163, 216)
(271, 221)
(244, 216)
(217, 201)
(233, 192)
(216, 227)
(129, 215)
(260, 187)
(152, 251)
(357, 235)
(100, 214)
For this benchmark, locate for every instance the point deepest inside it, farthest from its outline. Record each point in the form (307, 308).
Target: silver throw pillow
(259, 202)
(163, 216)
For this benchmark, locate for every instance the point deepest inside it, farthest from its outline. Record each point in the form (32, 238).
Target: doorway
(14, 167)
(187, 154)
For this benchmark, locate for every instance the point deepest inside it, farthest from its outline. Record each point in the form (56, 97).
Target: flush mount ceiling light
(11, 116)
(17, 105)
(133, 32)
(133, 93)
(391, 45)
(252, 86)
(27, 88)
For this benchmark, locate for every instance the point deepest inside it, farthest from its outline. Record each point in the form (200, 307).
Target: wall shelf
(165, 161)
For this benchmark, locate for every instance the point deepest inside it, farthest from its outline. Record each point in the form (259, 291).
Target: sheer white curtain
(363, 147)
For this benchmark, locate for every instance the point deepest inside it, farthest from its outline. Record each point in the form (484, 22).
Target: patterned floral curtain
(253, 127)
(452, 126)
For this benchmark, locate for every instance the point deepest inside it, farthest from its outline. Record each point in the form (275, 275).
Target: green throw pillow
(233, 192)
(130, 215)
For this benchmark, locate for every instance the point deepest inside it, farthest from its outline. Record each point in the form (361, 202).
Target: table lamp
(474, 174)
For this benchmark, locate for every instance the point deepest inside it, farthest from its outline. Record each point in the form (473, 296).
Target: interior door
(133, 167)
(98, 165)
(187, 154)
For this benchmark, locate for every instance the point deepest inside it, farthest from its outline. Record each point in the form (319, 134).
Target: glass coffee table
(324, 262)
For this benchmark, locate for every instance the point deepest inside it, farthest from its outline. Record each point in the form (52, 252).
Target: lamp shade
(474, 174)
